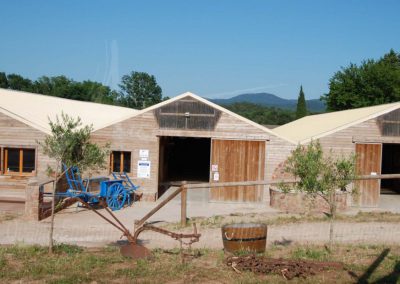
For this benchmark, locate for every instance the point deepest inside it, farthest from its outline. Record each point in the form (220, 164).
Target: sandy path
(100, 234)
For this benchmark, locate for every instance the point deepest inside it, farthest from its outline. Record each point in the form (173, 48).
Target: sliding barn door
(237, 160)
(369, 160)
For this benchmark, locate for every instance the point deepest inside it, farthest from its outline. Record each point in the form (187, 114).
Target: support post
(183, 204)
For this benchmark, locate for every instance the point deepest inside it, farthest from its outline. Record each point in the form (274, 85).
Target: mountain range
(270, 100)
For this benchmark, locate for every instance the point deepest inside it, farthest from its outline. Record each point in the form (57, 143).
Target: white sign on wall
(214, 168)
(144, 154)
(216, 176)
(143, 169)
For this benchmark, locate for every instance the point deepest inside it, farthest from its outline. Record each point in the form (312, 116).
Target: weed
(310, 253)
(68, 249)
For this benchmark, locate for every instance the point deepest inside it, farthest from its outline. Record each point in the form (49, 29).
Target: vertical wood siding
(368, 162)
(238, 160)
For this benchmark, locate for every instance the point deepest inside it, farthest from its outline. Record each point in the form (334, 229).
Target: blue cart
(113, 192)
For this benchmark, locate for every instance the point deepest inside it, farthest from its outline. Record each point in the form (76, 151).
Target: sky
(213, 48)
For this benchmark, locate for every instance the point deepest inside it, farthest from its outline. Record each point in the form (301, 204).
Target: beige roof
(317, 126)
(36, 110)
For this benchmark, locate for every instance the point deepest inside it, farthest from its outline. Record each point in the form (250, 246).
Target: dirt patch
(289, 269)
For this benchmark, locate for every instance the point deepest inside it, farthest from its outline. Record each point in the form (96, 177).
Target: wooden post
(183, 204)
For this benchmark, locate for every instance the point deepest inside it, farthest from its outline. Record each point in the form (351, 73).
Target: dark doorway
(390, 165)
(183, 159)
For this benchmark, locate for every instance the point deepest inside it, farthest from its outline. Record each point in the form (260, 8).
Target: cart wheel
(116, 196)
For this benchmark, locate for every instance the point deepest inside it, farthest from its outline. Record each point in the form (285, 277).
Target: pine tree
(301, 109)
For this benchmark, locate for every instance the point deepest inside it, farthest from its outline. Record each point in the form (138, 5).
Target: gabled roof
(35, 110)
(189, 94)
(318, 126)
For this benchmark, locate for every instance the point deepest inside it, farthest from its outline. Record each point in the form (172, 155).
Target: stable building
(372, 133)
(24, 120)
(188, 138)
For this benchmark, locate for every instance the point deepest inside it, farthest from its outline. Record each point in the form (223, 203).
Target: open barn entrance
(390, 165)
(183, 159)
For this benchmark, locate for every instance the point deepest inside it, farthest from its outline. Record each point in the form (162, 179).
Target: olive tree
(69, 143)
(321, 175)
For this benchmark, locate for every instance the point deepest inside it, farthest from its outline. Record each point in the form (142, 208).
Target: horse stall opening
(390, 165)
(183, 159)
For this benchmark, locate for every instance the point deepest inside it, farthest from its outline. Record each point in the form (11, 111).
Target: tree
(69, 143)
(373, 82)
(17, 82)
(301, 109)
(140, 90)
(321, 175)
(3, 80)
(262, 114)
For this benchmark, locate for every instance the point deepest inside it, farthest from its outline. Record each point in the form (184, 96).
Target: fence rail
(184, 186)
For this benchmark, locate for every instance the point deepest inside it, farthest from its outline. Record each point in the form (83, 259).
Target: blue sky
(214, 48)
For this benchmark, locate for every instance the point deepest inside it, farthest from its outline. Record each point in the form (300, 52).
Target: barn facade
(188, 138)
(371, 133)
(24, 121)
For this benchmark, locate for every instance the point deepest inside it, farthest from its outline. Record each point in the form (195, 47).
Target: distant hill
(271, 100)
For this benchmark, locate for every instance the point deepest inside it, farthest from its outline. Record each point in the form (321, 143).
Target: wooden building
(188, 138)
(184, 138)
(372, 133)
(24, 120)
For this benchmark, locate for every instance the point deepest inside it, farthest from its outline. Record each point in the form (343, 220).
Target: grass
(71, 264)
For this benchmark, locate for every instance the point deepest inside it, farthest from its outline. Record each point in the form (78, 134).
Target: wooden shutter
(369, 160)
(238, 160)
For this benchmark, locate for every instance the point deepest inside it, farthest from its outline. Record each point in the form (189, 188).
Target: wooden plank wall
(142, 132)
(238, 160)
(368, 162)
(18, 134)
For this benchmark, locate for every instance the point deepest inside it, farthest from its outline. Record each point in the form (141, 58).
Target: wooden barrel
(250, 237)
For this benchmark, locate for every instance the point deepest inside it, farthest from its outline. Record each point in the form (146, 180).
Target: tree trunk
(332, 208)
(52, 210)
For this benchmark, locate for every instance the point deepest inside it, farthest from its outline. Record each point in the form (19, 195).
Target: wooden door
(237, 160)
(369, 160)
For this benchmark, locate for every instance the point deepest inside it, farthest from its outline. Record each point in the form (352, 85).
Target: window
(19, 161)
(120, 161)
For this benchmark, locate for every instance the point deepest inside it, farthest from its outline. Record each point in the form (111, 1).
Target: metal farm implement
(114, 194)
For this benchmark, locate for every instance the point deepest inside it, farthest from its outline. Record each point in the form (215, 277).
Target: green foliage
(3, 80)
(306, 163)
(17, 82)
(262, 114)
(301, 109)
(310, 253)
(137, 87)
(69, 143)
(140, 90)
(319, 174)
(373, 82)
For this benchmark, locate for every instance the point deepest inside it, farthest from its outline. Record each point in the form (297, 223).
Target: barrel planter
(250, 237)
